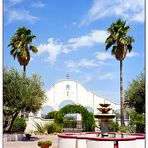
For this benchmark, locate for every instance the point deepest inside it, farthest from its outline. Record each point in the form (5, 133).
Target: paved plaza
(33, 142)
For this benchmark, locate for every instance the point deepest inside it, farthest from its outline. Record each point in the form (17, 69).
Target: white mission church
(71, 92)
(67, 92)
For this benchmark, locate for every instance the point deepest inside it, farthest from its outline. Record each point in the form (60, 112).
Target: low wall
(13, 137)
(83, 140)
(33, 119)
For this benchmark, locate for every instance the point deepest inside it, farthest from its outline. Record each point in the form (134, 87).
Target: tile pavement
(33, 142)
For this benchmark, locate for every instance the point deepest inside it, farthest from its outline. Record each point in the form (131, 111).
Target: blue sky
(70, 38)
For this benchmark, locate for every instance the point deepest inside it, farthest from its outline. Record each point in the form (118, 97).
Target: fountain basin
(91, 140)
(105, 116)
(104, 104)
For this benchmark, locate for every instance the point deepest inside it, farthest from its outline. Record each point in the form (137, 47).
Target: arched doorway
(88, 122)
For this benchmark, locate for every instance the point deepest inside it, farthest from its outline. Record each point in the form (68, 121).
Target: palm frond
(129, 47)
(33, 48)
(114, 50)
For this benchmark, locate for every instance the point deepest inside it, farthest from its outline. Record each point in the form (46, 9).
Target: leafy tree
(18, 94)
(137, 121)
(120, 43)
(113, 126)
(21, 45)
(135, 94)
(135, 101)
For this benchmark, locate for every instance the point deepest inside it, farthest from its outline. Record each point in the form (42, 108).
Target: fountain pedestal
(104, 117)
(104, 127)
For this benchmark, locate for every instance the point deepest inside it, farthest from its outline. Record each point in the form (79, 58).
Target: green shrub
(49, 143)
(40, 128)
(113, 126)
(54, 128)
(123, 129)
(137, 121)
(59, 118)
(19, 125)
(51, 115)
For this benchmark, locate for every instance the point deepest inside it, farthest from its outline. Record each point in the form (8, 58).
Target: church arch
(66, 102)
(88, 121)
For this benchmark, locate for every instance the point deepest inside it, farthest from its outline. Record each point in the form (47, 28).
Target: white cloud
(108, 76)
(88, 63)
(72, 66)
(129, 10)
(94, 37)
(103, 56)
(20, 15)
(132, 54)
(38, 4)
(83, 63)
(53, 48)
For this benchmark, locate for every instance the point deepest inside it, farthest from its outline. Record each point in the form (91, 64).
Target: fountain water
(104, 117)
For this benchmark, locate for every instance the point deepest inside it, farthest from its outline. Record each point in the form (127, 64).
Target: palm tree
(120, 43)
(21, 44)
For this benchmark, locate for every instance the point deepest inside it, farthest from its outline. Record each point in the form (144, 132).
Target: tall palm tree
(120, 43)
(21, 45)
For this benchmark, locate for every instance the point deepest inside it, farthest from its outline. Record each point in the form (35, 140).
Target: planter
(44, 146)
(28, 136)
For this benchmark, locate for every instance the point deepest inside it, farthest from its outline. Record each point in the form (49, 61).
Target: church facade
(67, 92)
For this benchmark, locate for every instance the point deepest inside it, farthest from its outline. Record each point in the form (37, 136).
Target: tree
(18, 94)
(137, 121)
(21, 44)
(120, 43)
(135, 94)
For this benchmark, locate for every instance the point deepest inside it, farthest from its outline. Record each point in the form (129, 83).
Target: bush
(51, 115)
(123, 129)
(49, 143)
(113, 126)
(19, 125)
(137, 121)
(54, 128)
(40, 127)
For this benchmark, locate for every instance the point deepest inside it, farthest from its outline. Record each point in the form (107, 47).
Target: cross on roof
(67, 76)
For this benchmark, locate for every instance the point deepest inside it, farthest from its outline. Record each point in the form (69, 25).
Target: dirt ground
(33, 142)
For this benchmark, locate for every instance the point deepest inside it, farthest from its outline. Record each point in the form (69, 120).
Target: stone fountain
(105, 116)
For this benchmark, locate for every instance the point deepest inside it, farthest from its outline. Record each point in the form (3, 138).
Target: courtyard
(33, 142)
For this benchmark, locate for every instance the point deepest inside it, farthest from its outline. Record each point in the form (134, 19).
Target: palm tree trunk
(24, 76)
(24, 71)
(121, 96)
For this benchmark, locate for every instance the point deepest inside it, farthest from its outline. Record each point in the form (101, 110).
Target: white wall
(77, 94)
(32, 120)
